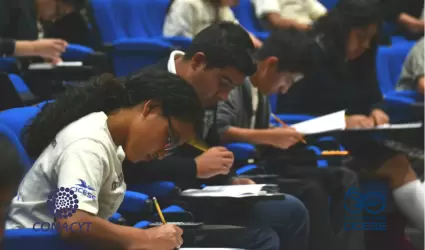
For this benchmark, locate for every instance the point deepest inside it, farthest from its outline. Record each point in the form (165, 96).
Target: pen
(197, 145)
(158, 209)
(284, 124)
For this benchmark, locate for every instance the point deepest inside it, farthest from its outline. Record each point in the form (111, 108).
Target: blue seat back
(25, 160)
(329, 4)
(245, 13)
(18, 83)
(16, 119)
(389, 63)
(22, 239)
(75, 52)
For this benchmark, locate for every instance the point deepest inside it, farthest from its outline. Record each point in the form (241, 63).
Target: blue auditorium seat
(17, 118)
(7, 64)
(75, 52)
(245, 13)
(329, 4)
(154, 189)
(19, 84)
(133, 29)
(18, 145)
(389, 63)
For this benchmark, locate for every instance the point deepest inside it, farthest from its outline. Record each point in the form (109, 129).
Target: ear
(150, 107)
(198, 60)
(272, 62)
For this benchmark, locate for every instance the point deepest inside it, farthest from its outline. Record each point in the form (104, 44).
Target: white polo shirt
(301, 11)
(188, 17)
(85, 163)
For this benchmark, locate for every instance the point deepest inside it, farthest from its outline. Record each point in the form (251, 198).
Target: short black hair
(293, 48)
(224, 44)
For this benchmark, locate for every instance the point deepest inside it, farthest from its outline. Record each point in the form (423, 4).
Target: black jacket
(179, 168)
(335, 85)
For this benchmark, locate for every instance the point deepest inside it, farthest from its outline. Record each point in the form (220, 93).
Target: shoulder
(91, 128)
(179, 4)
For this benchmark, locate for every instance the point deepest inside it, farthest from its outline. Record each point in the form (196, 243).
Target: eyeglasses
(173, 140)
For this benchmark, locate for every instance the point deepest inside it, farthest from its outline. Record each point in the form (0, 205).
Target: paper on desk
(37, 66)
(393, 126)
(235, 191)
(329, 122)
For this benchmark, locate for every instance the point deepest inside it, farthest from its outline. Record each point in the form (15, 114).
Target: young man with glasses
(218, 61)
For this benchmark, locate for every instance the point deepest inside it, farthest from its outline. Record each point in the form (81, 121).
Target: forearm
(24, 48)
(421, 85)
(100, 233)
(277, 21)
(253, 136)
(408, 20)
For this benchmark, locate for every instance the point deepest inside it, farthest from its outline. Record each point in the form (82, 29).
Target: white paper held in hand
(329, 122)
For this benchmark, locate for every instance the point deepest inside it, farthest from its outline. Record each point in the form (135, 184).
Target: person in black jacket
(346, 80)
(218, 60)
(62, 19)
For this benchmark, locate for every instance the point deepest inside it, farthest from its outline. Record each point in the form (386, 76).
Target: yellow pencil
(194, 143)
(158, 209)
(284, 124)
(335, 153)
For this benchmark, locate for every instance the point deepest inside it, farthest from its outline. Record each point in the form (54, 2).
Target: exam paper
(329, 122)
(235, 191)
(35, 66)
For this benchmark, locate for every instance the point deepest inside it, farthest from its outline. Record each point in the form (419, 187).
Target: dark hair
(224, 44)
(348, 14)
(293, 48)
(11, 167)
(105, 93)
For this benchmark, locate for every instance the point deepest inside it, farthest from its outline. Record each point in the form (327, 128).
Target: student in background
(217, 61)
(346, 80)
(62, 19)
(283, 59)
(407, 16)
(188, 17)
(412, 74)
(11, 173)
(81, 140)
(299, 14)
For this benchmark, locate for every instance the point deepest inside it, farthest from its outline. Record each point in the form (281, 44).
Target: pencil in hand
(284, 125)
(332, 153)
(158, 209)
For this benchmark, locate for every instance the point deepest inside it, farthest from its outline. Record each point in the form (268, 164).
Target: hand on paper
(379, 117)
(359, 121)
(242, 181)
(283, 138)
(215, 161)
(164, 237)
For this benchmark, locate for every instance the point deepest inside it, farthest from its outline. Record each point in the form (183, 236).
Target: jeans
(278, 224)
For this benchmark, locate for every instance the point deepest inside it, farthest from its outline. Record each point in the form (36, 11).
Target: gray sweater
(413, 68)
(237, 110)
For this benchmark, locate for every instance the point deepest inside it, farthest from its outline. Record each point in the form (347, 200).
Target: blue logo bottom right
(365, 211)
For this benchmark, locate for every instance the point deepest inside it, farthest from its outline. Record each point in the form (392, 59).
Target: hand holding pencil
(166, 236)
(284, 125)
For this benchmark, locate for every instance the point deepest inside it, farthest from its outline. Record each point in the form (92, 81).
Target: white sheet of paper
(393, 126)
(37, 66)
(235, 191)
(329, 122)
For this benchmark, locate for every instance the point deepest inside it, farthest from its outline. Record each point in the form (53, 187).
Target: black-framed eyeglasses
(173, 140)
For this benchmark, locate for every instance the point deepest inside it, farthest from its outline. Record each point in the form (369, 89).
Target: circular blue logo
(62, 203)
(355, 202)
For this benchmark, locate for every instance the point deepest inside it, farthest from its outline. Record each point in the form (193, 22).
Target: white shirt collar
(171, 66)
